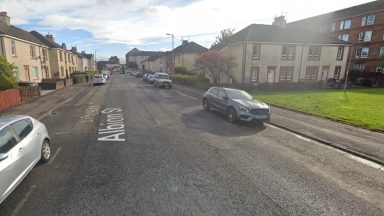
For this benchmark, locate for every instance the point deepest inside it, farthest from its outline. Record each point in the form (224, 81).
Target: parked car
(24, 141)
(163, 80)
(236, 105)
(139, 74)
(151, 79)
(145, 77)
(99, 79)
(105, 73)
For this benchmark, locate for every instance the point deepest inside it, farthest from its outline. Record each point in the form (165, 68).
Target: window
(364, 52)
(363, 21)
(381, 53)
(221, 93)
(62, 71)
(288, 52)
(332, 27)
(69, 59)
(340, 53)
(13, 48)
(343, 37)
(380, 68)
(323, 29)
(254, 74)
(359, 67)
(256, 51)
(345, 24)
(367, 20)
(35, 73)
(364, 36)
(213, 91)
(61, 55)
(311, 73)
(336, 75)
(370, 19)
(7, 140)
(314, 53)
(45, 54)
(286, 74)
(32, 51)
(22, 127)
(16, 73)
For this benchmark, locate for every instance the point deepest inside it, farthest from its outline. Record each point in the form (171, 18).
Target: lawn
(360, 107)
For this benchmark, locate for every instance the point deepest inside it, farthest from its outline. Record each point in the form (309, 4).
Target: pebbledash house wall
(270, 55)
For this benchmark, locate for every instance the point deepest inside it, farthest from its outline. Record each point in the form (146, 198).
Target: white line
(21, 203)
(65, 132)
(55, 155)
(367, 162)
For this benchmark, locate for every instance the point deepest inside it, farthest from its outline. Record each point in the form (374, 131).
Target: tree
(226, 33)
(216, 64)
(7, 79)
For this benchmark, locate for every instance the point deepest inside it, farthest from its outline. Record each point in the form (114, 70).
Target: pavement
(361, 142)
(128, 148)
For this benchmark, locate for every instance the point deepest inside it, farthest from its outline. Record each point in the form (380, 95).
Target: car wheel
(155, 84)
(45, 151)
(206, 105)
(231, 115)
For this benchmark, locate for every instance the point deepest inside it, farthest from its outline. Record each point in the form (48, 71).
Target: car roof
(161, 74)
(4, 120)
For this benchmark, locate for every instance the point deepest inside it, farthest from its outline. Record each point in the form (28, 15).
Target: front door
(271, 75)
(324, 73)
(26, 71)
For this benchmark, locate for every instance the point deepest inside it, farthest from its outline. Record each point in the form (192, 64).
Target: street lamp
(173, 36)
(95, 60)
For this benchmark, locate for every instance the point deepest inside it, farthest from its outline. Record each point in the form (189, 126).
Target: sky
(114, 27)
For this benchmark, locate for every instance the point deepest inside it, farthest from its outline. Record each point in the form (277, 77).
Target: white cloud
(134, 22)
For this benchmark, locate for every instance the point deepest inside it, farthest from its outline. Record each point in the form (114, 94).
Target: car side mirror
(3, 157)
(225, 98)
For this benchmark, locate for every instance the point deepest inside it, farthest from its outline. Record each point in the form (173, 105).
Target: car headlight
(244, 109)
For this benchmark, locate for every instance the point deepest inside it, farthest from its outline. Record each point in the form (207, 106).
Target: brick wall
(9, 98)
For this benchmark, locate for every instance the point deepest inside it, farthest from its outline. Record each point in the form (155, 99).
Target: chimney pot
(5, 18)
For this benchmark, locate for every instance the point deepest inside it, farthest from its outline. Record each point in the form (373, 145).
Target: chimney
(185, 42)
(74, 49)
(280, 21)
(4, 18)
(50, 37)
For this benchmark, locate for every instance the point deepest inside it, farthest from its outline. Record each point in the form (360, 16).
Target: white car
(105, 73)
(99, 79)
(162, 80)
(24, 141)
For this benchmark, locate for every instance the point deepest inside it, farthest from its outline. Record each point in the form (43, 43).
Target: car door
(221, 100)
(211, 96)
(10, 162)
(29, 141)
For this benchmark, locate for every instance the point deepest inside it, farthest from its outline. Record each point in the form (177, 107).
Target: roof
(275, 34)
(18, 33)
(357, 10)
(155, 57)
(189, 47)
(44, 40)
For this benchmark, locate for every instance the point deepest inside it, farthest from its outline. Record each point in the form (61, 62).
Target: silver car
(236, 105)
(24, 141)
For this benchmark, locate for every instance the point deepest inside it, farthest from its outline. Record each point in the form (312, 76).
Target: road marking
(22, 202)
(189, 96)
(367, 162)
(64, 132)
(55, 155)
(114, 126)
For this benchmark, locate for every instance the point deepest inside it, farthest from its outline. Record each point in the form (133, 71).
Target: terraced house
(28, 54)
(186, 54)
(63, 62)
(274, 54)
(361, 25)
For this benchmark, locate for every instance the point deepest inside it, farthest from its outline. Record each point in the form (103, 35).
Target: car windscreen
(162, 76)
(238, 94)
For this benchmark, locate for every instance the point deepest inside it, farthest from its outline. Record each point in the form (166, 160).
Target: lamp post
(95, 59)
(172, 52)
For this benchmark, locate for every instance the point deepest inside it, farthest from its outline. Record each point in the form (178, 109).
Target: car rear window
(22, 127)
(7, 140)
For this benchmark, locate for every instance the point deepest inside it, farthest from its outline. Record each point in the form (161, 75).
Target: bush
(7, 79)
(362, 81)
(180, 70)
(185, 79)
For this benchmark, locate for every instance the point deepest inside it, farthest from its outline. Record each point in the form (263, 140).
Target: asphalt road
(127, 148)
